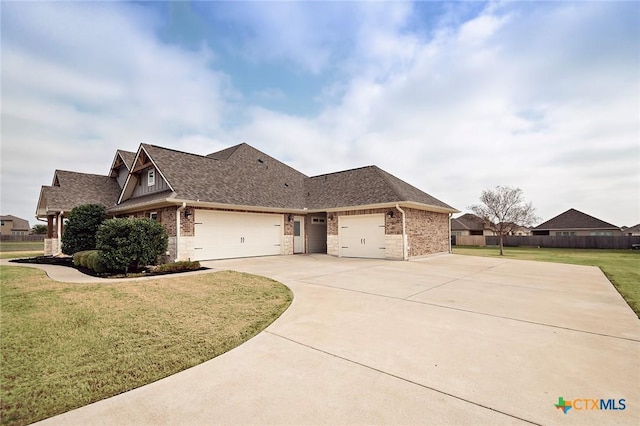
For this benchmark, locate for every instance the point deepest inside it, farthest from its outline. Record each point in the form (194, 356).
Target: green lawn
(67, 345)
(622, 267)
(12, 250)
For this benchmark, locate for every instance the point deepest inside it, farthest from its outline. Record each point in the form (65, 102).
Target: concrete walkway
(446, 340)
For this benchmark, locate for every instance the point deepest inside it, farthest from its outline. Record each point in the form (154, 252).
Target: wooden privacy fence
(583, 242)
(21, 238)
(469, 240)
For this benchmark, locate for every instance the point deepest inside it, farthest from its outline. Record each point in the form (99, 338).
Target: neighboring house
(574, 222)
(240, 202)
(470, 224)
(12, 225)
(634, 230)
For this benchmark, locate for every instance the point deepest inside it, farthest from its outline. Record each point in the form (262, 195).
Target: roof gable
(122, 158)
(70, 189)
(574, 219)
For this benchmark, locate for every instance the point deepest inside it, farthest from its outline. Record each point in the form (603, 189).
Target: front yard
(622, 267)
(67, 345)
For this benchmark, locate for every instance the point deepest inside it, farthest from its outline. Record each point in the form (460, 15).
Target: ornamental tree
(505, 208)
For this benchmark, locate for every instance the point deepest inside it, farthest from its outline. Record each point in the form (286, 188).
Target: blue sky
(453, 97)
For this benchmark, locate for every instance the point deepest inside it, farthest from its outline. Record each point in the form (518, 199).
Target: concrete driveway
(445, 340)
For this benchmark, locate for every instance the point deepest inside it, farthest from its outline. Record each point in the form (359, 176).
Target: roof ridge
(385, 176)
(176, 150)
(80, 173)
(231, 150)
(342, 171)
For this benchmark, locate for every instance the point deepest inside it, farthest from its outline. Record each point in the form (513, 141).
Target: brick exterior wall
(427, 232)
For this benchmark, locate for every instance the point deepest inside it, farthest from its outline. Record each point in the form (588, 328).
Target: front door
(298, 234)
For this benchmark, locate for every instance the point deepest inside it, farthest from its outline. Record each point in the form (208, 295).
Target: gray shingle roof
(363, 186)
(127, 157)
(74, 189)
(632, 229)
(467, 221)
(243, 175)
(240, 175)
(574, 219)
(247, 177)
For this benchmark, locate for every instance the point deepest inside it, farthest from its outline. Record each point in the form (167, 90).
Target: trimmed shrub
(128, 244)
(81, 227)
(180, 266)
(90, 259)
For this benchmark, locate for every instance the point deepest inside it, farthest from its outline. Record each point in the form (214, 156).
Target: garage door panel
(362, 236)
(223, 235)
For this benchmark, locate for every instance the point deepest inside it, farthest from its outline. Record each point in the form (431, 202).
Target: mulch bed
(68, 262)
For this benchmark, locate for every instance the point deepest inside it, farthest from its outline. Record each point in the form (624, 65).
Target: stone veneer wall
(51, 246)
(427, 232)
(332, 245)
(393, 247)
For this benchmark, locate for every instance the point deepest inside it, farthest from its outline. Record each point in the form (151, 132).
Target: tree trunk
(501, 246)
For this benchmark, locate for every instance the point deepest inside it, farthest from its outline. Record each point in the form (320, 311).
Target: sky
(452, 97)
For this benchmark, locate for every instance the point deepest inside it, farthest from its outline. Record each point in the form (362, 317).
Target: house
(12, 225)
(632, 231)
(574, 222)
(240, 202)
(470, 224)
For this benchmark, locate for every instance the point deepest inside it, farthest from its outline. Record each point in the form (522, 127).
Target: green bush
(80, 258)
(90, 259)
(180, 266)
(81, 227)
(128, 244)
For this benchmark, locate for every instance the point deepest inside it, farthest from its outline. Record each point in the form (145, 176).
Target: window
(2, 222)
(151, 177)
(318, 220)
(153, 216)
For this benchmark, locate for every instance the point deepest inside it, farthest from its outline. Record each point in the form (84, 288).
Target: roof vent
(286, 184)
(260, 161)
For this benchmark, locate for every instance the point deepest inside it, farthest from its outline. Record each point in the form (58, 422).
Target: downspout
(404, 233)
(450, 250)
(179, 210)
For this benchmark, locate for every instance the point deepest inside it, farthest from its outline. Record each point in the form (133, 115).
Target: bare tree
(506, 210)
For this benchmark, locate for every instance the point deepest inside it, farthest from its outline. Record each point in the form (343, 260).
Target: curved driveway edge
(446, 340)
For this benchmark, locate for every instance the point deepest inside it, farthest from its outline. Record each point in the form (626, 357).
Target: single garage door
(224, 235)
(362, 236)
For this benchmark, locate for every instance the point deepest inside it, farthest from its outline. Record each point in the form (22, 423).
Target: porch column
(49, 226)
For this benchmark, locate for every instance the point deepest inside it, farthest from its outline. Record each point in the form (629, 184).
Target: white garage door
(224, 235)
(361, 236)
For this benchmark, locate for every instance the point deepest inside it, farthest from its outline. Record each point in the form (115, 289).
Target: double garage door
(224, 235)
(362, 236)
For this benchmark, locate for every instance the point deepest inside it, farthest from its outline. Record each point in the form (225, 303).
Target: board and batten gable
(144, 188)
(123, 172)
